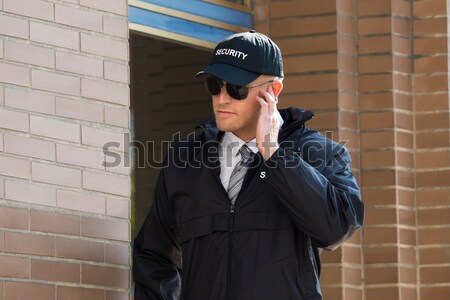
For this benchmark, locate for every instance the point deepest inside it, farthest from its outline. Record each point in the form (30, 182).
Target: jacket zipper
(230, 248)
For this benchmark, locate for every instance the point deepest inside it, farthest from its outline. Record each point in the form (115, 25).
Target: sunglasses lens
(213, 85)
(237, 92)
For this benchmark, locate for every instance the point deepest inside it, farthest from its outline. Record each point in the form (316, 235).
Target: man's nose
(223, 96)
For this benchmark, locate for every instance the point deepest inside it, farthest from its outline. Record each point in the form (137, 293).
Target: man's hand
(268, 124)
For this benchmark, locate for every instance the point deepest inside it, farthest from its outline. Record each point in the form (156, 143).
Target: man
(242, 208)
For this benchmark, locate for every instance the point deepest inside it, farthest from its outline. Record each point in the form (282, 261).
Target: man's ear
(277, 86)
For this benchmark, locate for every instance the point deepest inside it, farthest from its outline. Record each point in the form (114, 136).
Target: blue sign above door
(199, 23)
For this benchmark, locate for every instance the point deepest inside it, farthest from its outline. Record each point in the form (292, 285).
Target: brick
(375, 64)
(377, 120)
(438, 274)
(429, 84)
(433, 216)
(27, 290)
(303, 26)
(377, 101)
(378, 139)
(117, 7)
(14, 27)
(432, 159)
(113, 184)
(1, 51)
(99, 137)
(429, 236)
(379, 255)
(81, 201)
(80, 156)
(383, 275)
(116, 295)
(14, 167)
(380, 216)
(27, 146)
(54, 35)
(80, 110)
(116, 71)
(373, 83)
(105, 276)
(431, 102)
(118, 207)
(104, 46)
(380, 235)
(331, 275)
(401, 26)
(105, 229)
(433, 178)
(14, 74)
(432, 121)
(353, 276)
(430, 26)
(407, 237)
(14, 120)
(352, 254)
(434, 256)
(117, 254)
(55, 129)
(77, 17)
(430, 45)
(32, 244)
(30, 8)
(374, 26)
(30, 100)
(305, 45)
(115, 26)
(427, 198)
(29, 54)
(310, 63)
(117, 162)
(378, 159)
(55, 174)
(14, 218)
(430, 64)
(374, 44)
(433, 8)
(302, 8)
(55, 223)
(2, 189)
(346, 26)
(433, 292)
(436, 139)
(80, 249)
(76, 293)
(30, 193)
(370, 8)
(55, 271)
(105, 91)
(117, 116)
(2, 244)
(310, 83)
(44, 80)
(16, 267)
(80, 64)
(407, 255)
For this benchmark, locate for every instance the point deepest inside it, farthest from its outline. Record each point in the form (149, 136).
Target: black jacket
(193, 246)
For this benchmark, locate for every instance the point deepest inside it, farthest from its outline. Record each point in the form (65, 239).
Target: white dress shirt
(230, 155)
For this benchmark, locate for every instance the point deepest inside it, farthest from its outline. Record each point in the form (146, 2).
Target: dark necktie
(238, 174)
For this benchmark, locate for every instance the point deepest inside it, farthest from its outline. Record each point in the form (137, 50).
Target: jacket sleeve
(156, 251)
(316, 185)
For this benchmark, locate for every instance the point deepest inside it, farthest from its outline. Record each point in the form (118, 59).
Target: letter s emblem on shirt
(262, 175)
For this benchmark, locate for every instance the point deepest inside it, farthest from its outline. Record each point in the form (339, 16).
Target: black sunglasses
(238, 92)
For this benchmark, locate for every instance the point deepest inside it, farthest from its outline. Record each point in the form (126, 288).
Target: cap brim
(229, 74)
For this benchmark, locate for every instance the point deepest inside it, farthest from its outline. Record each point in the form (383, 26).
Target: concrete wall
(64, 218)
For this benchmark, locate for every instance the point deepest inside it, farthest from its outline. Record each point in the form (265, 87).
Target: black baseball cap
(242, 57)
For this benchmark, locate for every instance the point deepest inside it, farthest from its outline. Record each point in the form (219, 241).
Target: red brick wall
(375, 73)
(64, 218)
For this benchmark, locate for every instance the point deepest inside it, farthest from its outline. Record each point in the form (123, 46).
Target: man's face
(239, 116)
